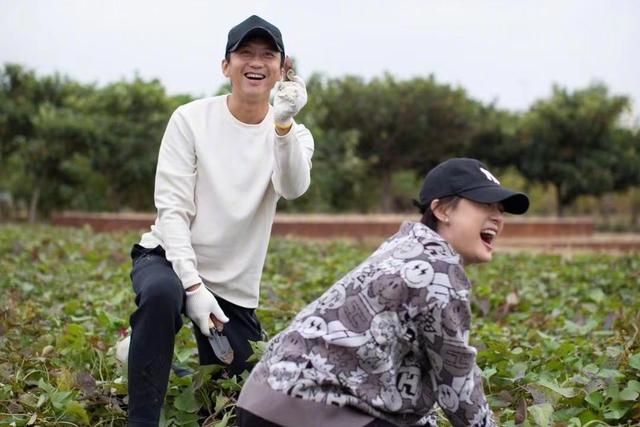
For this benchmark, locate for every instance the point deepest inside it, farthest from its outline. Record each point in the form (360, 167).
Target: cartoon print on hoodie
(390, 338)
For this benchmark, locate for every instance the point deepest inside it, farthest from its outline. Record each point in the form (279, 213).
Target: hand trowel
(219, 342)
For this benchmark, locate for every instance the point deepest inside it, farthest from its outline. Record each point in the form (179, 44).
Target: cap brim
(253, 31)
(513, 202)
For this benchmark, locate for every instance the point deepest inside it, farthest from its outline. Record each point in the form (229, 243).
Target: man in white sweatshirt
(223, 164)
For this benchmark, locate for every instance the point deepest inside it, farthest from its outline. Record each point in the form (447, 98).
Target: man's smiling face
(253, 68)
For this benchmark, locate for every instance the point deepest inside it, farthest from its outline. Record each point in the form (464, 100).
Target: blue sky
(509, 51)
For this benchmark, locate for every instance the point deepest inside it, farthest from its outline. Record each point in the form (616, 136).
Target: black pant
(160, 298)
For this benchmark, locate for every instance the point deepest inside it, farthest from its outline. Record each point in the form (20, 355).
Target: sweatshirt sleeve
(292, 172)
(174, 197)
(455, 377)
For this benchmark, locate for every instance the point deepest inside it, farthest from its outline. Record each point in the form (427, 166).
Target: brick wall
(325, 226)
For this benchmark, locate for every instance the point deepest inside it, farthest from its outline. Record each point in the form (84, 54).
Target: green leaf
(613, 392)
(41, 400)
(221, 401)
(611, 374)
(225, 420)
(614, 351)
(518, 370)
(628, 394)
(72, 306)
(59, 399)
(5, 392)
(541, 414)
(187, 401)
(258, 348)
(566, 414)
(164, 422)
(181, 382)
(597, 295)
(591, 368)
(553, 385)
(595, 399)
(617, 409)
(46, 386)
(73, 338)
(184, 354)
(488, 373)
(574, 422)
(634, 361)
(68, 267)
(106, 319)
(185, 419)
(76, 411)
(634, 385)
(229, 384)
(203, 375)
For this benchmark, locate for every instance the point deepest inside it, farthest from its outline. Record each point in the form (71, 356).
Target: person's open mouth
(254, 76)
(488, 235)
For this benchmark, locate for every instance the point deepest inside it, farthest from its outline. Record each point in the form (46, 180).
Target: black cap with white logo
(250, 26)
(470, 179)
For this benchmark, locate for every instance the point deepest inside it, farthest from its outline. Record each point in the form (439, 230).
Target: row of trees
(67, 145)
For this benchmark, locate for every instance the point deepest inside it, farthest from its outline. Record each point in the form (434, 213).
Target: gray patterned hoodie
(391, 338)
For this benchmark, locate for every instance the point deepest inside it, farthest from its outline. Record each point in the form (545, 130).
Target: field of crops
(558, 337)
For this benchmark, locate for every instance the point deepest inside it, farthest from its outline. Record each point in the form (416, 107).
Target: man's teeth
(254, 76)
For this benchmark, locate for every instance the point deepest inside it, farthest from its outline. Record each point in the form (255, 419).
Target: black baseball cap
(253, 25)
(470, 179)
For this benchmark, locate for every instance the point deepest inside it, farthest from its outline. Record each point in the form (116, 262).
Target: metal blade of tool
(220, 344)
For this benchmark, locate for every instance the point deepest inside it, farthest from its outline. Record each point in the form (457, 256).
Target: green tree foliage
(495, 140)
(70, 146)
(39, 131)
(626, 168)
(400, 125)
(66, 145)
(129, 119)
(573, 142)
(340, 175)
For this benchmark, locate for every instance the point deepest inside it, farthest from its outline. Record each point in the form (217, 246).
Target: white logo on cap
(489, 176)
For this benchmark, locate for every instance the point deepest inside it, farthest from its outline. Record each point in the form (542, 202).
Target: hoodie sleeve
(455, 377)
(292, 172)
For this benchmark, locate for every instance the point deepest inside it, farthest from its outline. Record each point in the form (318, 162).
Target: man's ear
(282, 71)
(225, 67)
(438, 210)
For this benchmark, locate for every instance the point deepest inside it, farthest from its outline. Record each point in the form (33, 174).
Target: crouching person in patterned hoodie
(390, 340)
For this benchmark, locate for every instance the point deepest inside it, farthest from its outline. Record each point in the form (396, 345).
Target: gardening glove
(200, 305)
(289, 99)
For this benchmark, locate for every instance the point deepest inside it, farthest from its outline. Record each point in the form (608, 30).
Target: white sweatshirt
(217, 184)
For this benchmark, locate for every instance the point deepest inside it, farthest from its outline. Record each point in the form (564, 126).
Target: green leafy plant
(557, 336)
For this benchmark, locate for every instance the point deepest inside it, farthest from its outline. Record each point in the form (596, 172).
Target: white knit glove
(200, 305)
(289, 99)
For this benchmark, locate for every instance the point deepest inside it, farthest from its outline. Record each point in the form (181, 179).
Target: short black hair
(429, 218)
